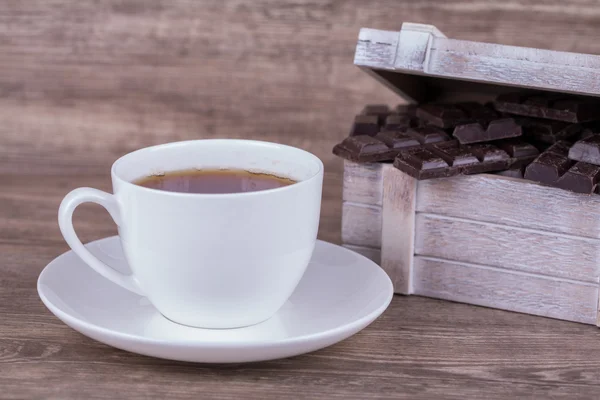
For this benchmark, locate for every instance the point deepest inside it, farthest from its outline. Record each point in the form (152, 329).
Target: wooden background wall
(83, 82)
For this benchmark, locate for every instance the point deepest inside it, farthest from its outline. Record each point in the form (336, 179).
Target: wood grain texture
(540, 207)
(419, 50)
(361, 225)
(83, 82)
(419, 349)
(363, 183)
(525, 250)
(515, 66)
(398, 227)
(495, 256)
(514, 291)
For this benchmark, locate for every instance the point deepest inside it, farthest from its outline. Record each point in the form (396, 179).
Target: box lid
(421, 64)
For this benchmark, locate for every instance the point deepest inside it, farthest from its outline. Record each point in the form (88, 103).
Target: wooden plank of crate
(508, 290)
(517, 66)
(361, 224)
(369, 252)
(423, 51)
(363, 183)
(492, 198)
(527, 250)
(398, 227)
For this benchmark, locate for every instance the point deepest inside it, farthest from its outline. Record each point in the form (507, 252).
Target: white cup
(209, 260)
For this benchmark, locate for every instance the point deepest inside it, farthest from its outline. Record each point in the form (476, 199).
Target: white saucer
(341, 293)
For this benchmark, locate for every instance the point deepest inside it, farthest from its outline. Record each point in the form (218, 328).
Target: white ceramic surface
(341, 293)
(209, 260)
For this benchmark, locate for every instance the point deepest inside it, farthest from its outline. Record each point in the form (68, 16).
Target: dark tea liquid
(214, 181)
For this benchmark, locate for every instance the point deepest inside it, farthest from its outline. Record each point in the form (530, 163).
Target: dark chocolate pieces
(421, 163)
(397, 140)
(378, 117)
(491, 159)
(445, 159)
(534, 129)
(442, 115)
(472, 122)
(404, 117)
(365, 125)
(418, 137)
(364, 148)
(381, 111)
(549, 106)
(428, 134)
(400, 122)
(548, 131)
(477, 132)
(553, 167)
(451, 115)
(520, 151)
(581, 178)
(384, 146)
(549, 166)
(376, 109)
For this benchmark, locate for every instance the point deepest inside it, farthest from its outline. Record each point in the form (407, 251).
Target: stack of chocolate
(549, 139)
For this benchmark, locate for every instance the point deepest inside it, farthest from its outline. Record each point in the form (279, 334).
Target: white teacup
(209, 260)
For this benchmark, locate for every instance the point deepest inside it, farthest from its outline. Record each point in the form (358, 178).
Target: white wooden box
(484, 239)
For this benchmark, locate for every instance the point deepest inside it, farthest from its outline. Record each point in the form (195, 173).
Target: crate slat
(398, 227)
(363, 183)
(361, 225)
(511, 202)
(507, 290)
(507, 247)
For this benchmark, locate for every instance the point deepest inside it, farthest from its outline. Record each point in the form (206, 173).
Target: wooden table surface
(84, 81)
(419, 348)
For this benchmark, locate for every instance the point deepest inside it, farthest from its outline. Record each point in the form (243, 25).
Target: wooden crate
(485, 239)
(463, 239)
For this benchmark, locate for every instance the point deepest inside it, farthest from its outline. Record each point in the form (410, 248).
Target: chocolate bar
(428, 134)
(421, 163)
(549, 106)
(451, 115)
(521, 152)
(376, 109)
(404, 117)
(549, 166)
(365, 125)
(376, 117)
(586, 150)
(381, 111)
(491, 159)
(397, 139)
(553, 167)
(581, 178)
(364, 148)
(472, 122)
(400, 122)
(385, 145)
(450, 158)
(548, 131)
(476, 132)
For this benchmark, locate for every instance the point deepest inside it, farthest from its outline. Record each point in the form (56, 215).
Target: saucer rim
(345, 330)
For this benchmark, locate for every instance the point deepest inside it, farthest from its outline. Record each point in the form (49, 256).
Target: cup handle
(65, 221)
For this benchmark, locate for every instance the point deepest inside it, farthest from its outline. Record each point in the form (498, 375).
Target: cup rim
(316, 175)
